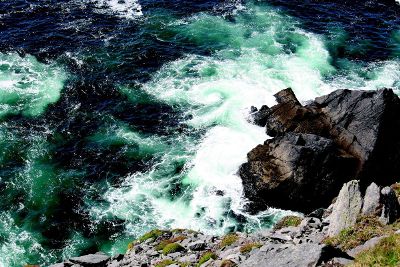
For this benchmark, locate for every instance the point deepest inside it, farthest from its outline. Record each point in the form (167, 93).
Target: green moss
(164, 263)
(228, 240)
(171, 248)
(249, 247)
(288, 221)
(385, 253)
(205, 257)
(228, 263)
(364, 229)
(152, 234)
(165, 242)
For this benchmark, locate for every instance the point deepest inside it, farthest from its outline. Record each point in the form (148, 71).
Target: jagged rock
(295, 171)
(346, 208)
(91, 260)
(391, 207)
(361, 129)
(259, 117)
(285, 255)
(371, 204)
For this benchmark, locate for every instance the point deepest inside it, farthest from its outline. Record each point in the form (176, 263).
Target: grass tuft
(152, 234)
(385, 253)
(246, 248)
(171, 248)
(163, 243)
(365, 228)
(205, 257)
(288, 221)
(228, 240)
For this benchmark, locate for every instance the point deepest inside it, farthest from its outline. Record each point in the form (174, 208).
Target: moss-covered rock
(152, 234)
(171, 248)
(228, 240)
(246, 248)
(205, 257)
(288, 221)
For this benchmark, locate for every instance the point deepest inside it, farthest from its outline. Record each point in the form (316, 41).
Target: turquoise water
(86, 168)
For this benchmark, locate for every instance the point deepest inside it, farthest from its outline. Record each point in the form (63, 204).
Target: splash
(129, 9)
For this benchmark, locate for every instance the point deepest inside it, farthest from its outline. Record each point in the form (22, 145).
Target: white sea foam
(129, 9)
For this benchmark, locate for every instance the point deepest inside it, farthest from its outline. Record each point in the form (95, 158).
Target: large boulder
(391, 206)
(346, 208)
(295, 171)
(336, 138)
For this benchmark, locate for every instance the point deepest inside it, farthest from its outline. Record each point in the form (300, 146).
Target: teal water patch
(28, 86)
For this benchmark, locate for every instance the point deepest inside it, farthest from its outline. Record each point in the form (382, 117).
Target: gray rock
(188, 258)
(346, 209)
(98, 260)
(391, 207)
(369, 244)
(371, 200)
(301, 255)
(340, 261)
(58, 265)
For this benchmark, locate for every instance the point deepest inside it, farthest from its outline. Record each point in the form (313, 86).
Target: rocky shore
(335, 159)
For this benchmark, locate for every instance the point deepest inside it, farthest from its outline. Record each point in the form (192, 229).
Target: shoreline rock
(315, 148)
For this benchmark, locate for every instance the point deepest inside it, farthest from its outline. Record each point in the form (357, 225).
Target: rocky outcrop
(346, 209)
(295, 241)
(336, 138)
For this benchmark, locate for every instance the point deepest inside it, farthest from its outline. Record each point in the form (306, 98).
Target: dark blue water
(117, 117)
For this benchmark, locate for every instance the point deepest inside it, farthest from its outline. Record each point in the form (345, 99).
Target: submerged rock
(336, 138)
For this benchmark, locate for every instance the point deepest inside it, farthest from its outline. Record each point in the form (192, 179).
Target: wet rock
(391, 207)
(345, 135)
(295, 171)
(346, 208)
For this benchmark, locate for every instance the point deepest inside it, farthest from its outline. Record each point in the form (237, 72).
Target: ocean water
(117, 117)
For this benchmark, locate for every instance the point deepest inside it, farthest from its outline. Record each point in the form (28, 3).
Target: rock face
(372, 199)
(391, 207)
(336, 138)
(346, 209)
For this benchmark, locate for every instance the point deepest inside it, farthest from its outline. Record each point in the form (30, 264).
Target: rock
(304, 168)
(259, 117)
(197, 246)
(367, 245)
(336, 138)
(95, 260)
(318, 213)
(391, 207)
(346, 208)
(285, 255)
(371, 204)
